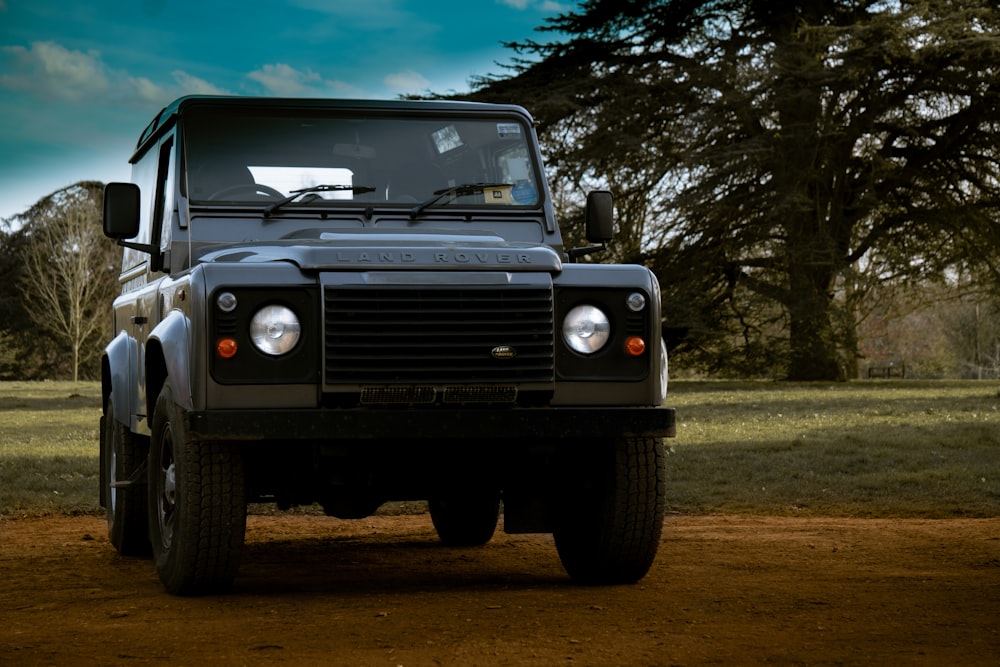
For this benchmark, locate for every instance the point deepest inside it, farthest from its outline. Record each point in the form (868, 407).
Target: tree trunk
(811, 252)
(812, 335)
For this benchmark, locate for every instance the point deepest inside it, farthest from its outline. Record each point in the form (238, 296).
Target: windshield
(265, 156)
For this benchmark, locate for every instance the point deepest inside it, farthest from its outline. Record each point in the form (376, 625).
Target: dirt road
(312, 590)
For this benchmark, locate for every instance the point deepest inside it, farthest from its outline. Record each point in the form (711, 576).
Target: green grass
(869, 448)
(49, 442)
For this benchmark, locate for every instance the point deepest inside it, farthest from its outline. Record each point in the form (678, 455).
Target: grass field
(890, 448)
(49, 441)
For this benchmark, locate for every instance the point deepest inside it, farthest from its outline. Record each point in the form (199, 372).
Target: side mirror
(121, 210)
(599, 215)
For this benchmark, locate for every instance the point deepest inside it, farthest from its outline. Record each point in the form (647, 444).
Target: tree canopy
(772, 161)
(64, 275)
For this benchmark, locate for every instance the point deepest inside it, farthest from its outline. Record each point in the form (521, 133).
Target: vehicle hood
(426, 249)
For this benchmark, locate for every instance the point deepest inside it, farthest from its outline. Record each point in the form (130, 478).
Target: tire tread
(613, 537)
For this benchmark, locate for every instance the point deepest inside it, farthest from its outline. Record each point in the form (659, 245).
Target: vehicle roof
(169, 113)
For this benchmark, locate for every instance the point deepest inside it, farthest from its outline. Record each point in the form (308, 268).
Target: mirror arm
(142, 247)
(575, 253)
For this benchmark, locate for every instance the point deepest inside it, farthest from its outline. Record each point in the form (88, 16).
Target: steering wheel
(247, 188)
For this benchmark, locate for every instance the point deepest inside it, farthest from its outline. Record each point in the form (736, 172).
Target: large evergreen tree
(763, 153)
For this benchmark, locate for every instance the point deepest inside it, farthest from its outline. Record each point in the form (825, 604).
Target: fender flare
(168, 354)
(121, 357)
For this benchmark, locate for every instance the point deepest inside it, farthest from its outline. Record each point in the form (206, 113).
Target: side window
(152, 174)
(162, 204)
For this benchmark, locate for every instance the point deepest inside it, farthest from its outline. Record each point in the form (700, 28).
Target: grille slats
(431, 335)
(356, 327)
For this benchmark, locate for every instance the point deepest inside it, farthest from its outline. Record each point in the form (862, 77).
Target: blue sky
(79, 80)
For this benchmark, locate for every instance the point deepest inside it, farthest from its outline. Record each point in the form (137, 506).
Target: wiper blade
(356, 189)
(459, 190)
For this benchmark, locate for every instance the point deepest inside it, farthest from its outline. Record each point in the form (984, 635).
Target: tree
(68, 274)
(763, 150)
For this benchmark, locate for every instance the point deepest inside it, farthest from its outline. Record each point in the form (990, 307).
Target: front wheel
(197, 505)
(610, 511)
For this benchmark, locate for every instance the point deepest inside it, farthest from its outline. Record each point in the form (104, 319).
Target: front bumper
(430, 424)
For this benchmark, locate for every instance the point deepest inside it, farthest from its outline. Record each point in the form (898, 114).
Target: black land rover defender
(346, 303)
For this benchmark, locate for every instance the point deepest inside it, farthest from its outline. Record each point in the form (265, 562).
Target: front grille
(401, 394)
(438, 336)
(397, 394)
(490, 394)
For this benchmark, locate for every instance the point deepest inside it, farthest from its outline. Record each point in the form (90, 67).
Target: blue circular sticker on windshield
(523, 193)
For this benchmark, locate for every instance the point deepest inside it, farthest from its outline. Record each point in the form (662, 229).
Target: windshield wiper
(356, 189)
(459, 190)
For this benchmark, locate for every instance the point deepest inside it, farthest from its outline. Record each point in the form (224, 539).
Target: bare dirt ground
(381, 591)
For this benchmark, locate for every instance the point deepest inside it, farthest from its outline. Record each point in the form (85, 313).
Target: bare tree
(68, 277)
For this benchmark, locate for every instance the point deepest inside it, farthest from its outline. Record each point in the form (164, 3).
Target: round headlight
(275, 330)
(586, 329)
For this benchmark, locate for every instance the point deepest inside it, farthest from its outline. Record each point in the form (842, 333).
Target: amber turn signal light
(635, 346)
(226, 348)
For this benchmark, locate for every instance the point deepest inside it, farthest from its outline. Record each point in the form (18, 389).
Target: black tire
(465, 519)
(123, 454)
(610, 514)
(197, 505)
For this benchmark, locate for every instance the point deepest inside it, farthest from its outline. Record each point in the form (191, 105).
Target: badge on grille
(503, 352)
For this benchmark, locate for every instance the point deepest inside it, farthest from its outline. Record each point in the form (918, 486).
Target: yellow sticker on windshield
(497, 195)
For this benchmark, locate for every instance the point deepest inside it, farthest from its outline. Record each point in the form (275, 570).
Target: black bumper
(433, 424)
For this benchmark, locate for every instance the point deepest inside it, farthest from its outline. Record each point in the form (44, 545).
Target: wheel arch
(168, 354)
(117, 363)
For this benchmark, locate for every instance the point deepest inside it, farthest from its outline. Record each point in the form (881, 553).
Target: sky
(80, 80)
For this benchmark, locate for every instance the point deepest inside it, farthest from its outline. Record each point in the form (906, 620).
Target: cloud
(53, 71)
(147, 91)
(378, 15)
(284, 80)
(156, 95)
(406, 82)
(192, 85)
(547, 6)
